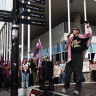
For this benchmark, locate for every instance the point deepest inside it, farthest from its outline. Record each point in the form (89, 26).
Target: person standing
(56, 72)
(76, 46)
(1, 76)
(33, 68)
(62, 68)
(25, 73)
(1, 71)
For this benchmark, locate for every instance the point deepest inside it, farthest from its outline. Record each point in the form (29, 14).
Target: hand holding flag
(37, 48)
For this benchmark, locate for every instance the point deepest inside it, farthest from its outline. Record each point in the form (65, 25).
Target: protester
(56, 72)
(1, 76)
(62, 68)
(93, 70)
(25, 69)
(6, 78)
(76, 47)
(33, 71)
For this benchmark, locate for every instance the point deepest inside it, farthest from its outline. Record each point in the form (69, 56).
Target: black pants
(74, 66)
(56, 80)
(93, 75)
(1, 80)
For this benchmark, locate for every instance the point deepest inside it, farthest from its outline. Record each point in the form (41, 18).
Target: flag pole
(7, 41)
(50, 31)
(22, 39)
(4, 43)
(68, 7)
(85, 19)
(85, 14)
(10, 41)
(28, 35)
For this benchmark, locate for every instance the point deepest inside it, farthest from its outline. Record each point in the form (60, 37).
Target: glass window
(58, 47)
(55, 48)
(62, 46)
(65, 56)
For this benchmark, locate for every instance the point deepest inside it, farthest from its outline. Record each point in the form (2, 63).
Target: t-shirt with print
(78, 45)
(25, 68)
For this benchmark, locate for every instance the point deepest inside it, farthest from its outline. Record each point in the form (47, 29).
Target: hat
(75, 28)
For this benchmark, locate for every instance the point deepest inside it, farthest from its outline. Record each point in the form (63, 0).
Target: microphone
(69, 35)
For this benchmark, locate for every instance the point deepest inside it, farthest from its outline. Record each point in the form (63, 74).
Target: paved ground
(88, 89)
(4, 93)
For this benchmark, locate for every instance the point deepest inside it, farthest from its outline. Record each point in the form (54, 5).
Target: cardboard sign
(36, 92)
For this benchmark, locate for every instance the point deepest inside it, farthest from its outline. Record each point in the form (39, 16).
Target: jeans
(62, 77)
(25, 80)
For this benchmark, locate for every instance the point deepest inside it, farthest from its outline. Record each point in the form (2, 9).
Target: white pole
(50, 31)
(4, 42)
(22, 39)
(7, 41)
(28, 36)
(1, 44)
(85, 14)
(85, 18)
(68, 6)
(10, 41)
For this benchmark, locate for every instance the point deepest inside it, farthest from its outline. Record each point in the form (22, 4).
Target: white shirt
(62, 66)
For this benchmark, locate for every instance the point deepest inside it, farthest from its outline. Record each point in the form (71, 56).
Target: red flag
(37, 48)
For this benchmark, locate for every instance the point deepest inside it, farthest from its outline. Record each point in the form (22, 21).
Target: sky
(5, 5)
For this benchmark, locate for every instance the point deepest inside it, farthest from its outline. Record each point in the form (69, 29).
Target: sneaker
(64, 90)
(76, 92)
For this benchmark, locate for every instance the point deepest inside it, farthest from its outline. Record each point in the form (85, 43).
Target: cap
(75, 28)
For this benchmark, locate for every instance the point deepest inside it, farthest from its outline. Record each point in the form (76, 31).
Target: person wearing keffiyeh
(77, 46)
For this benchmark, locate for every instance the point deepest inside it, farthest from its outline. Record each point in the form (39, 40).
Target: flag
(94, 58)
(37, 48)
(10, 61)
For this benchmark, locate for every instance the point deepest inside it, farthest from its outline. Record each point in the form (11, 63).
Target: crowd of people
(28, 74)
